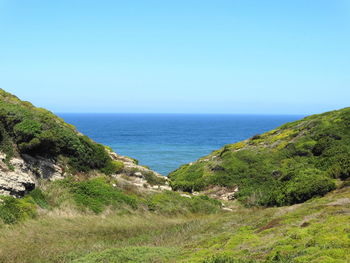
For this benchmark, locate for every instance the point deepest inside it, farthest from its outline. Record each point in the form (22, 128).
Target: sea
(164, 142)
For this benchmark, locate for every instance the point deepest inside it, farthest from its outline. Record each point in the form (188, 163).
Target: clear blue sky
(182, 56)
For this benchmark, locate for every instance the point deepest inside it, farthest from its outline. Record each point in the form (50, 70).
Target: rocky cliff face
(22, 174)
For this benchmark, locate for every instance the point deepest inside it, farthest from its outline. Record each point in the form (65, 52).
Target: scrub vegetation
(92, 217)
(25, 129)
(289, 165)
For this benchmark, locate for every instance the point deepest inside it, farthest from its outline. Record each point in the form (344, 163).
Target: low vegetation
(289, 165)
(99, 195)
(316, 231)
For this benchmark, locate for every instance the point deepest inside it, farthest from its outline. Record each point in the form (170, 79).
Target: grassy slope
(315, 231)
(287, 165)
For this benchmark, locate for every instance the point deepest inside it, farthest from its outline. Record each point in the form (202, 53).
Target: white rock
(186, 195)
(138, 174)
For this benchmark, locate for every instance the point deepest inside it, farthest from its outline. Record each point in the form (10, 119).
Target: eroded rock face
(44, 168)
(17, 179)
(21, 175)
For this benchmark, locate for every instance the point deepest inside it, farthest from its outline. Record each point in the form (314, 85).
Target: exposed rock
(15, 181)
(136, 175)
(44, 168)
(222, 193)
(21, 175)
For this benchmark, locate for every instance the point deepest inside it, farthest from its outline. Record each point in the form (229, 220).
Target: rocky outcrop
(21, 174)
(220, 192)
(44, 168)
(15, 177)
(139, 176)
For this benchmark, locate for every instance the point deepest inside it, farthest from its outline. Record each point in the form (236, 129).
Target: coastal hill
(35, 144)
(288, 165)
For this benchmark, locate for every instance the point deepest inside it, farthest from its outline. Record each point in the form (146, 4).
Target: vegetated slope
(288, 165)
(25, 129)
(316, 231)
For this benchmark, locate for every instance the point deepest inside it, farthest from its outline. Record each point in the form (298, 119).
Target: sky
(183, 56)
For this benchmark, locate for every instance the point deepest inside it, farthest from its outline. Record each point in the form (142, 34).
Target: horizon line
(188, 113)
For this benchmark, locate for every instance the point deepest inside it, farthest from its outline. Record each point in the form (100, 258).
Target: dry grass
(66, 236)
(315, 231)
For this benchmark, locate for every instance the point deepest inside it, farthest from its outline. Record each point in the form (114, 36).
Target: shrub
(305, 185)
(27, 130)
(95, 194)
(112, 167)
(153, 179)
(13, 210)
(256, 137)
(341, 167)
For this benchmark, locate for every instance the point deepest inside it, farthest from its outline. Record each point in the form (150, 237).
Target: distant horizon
(182, 113)
(200, 113)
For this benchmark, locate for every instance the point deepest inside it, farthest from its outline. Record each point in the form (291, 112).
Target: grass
(64, 238)
(315, 231)
(131, 254)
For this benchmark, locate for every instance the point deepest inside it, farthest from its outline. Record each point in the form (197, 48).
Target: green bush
(113, 167)
(36, 131)
(152, 179)
(305, 185)
(341, 167)
(95, 194)
(13, 210)
(27, 130)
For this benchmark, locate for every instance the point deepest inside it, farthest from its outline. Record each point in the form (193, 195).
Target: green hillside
(25, 129)
(288, 165)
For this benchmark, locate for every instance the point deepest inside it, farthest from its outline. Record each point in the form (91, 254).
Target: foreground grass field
(315, 231)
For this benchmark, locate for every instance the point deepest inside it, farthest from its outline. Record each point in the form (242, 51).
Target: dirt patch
(341, 201)
(305, 224)
(273, 223)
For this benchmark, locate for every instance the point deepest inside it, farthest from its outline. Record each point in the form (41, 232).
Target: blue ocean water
(165, 141)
